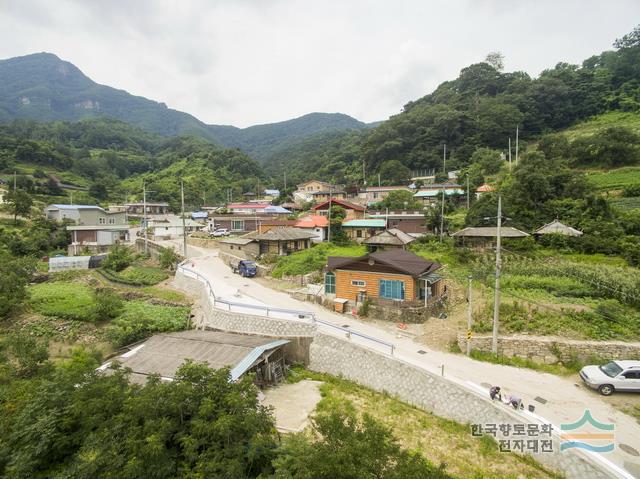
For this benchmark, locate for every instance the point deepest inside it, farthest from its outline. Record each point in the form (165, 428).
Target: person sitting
(494, 393)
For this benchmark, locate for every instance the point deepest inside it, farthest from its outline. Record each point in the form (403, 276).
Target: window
(631, 375)
(358, 233)
(358, 282)
(101, 221)
(330, 283)
(112, 221)
(237, 225)
(391, 289)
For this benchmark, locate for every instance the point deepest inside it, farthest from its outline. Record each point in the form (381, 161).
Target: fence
(282, 313)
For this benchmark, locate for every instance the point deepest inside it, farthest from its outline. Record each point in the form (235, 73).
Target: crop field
(608, 120)
(615, 179)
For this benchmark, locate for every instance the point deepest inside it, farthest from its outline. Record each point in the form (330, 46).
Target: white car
(621, 376)
(220, 232)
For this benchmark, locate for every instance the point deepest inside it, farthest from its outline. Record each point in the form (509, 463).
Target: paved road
(564, 399)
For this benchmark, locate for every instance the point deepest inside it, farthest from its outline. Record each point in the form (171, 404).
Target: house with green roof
(361, 229)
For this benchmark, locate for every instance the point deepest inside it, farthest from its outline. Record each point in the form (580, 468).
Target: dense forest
(481, 109)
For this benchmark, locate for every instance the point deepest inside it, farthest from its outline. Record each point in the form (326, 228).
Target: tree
(19, 204)
(392, 172)
(336, 215)
(15, 274)
(107, 305)
(168, 258)
(400, 200)
(496, 60)
(118, 258)
(98, 190)
(347, 447)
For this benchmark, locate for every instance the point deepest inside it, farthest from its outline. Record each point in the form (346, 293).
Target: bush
(631, 191)
(168, 258)
(118, 258)
(136, 276)
(107, 305)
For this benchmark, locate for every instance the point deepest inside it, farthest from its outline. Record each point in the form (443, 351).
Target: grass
(606, 120)
(557, 369)
(62, 299)
(614, 179)
(137, 275)
(442, 441)
(632, 203)
(313, 259)
(141, 319)
(166, 294)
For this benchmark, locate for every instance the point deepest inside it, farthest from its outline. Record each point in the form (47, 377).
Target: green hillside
(43, 87)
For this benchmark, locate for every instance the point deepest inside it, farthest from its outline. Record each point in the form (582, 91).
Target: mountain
(43, 87)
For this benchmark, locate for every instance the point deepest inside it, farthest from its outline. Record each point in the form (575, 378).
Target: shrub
(118, 258)
(107, 305)
(168, 258)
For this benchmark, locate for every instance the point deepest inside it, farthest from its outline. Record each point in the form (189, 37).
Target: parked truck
(245, 268)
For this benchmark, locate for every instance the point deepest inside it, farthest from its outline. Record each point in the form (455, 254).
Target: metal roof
(433, 193)
(76, 207)
(240, 241)
(368, 223)
(334, 202)
(282, 234)
(556, 227)
(163, 354)
(490, 232)
(392, 236)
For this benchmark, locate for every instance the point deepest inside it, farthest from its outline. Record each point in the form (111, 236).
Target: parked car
(220, 232)
(245, 268)
(613, 376)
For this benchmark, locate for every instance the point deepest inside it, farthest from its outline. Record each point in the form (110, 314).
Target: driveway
(557, 400)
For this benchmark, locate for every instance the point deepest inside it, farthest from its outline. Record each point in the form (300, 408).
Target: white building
(171, 227)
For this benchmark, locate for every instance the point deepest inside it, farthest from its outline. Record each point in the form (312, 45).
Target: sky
(246, 62)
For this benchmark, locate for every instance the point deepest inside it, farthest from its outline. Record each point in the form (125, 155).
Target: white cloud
(244, 62)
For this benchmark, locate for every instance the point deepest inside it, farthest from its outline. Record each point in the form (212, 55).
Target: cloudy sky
(245, 62)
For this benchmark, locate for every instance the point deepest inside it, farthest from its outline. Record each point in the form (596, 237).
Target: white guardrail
(282, 313)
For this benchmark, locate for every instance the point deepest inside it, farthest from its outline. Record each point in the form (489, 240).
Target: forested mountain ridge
(479, 109)
(43, 87)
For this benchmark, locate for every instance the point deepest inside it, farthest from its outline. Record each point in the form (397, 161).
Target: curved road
(565, 400)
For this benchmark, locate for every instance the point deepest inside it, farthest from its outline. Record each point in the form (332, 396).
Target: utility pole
(509, 152)
(329, 216)
(14, 182)
(144, 217)
(516, 145)
(184, 227)
(285, 183)
(442, 218)
(469, 316)
(467, 191)
(378, 180)
(364, 175)
(496, 302)
(444, 159)
(70, 197)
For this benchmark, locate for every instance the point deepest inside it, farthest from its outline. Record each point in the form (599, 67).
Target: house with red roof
(317, 224)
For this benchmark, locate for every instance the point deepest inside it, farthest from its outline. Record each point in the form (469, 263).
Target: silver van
(621, 376)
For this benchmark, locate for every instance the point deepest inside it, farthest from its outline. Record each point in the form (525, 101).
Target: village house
(243, 223)
(269, 224)
(252, 208)
(353, 211)
(3, 195)
(375, 194)
(433, 193)
(242, 247)
(485, 236)
(482, 189)
(389, 239)
(384, 276)
(410, 222)
(320, 196)
(304, 192)
(282, 241)
(314, 223)
(136, 210)
(558, 228)
(171, 227)
(361, 229)
(92, 228)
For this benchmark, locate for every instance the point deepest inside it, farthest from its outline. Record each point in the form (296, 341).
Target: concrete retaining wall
(551, 350)
(433, 393)
(430, 392)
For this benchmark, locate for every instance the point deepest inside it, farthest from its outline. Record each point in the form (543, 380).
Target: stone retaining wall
(550, 350)
(431, 392)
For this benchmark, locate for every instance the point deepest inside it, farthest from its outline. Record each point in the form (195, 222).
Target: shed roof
(75, 207)
(399, 259)
(490, 232)
(556, 227)
(282, 234)
(484, 188)
(164, 353)
(366, 223)
(392, 237)
(345, 204)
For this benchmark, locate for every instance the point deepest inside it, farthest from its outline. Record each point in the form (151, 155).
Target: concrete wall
(154, 248)
(551, 350)
(431, 392)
